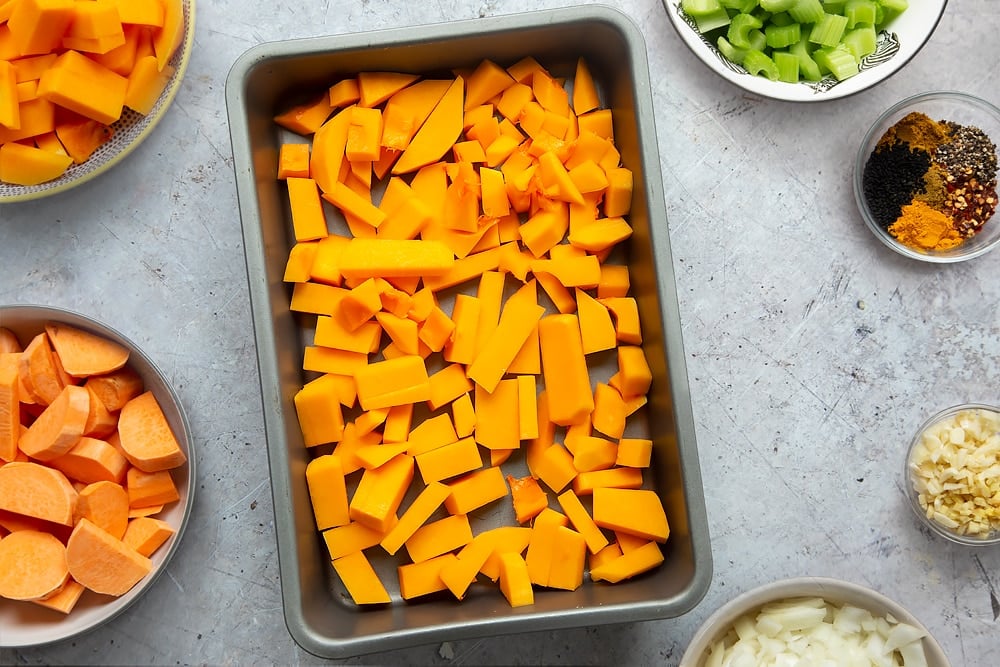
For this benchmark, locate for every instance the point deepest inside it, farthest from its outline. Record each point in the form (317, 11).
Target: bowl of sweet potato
(96, 474)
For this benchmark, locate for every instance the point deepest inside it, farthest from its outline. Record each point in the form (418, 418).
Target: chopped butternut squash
(497, 172)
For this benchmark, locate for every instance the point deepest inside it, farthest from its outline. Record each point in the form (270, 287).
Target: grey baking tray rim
(256, 82)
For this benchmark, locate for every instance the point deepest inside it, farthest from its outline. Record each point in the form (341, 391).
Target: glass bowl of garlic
(953, 474)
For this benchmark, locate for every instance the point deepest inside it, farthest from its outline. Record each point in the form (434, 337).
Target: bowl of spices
(953, 474)
(925, 179)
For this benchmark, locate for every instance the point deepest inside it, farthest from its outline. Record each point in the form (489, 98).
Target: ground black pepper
(893, 175)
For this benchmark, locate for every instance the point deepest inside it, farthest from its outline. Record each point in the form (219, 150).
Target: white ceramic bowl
(833, 591)
(25, 624)
(897, 44)
(129, 131)
(938, 106)
(988, 539)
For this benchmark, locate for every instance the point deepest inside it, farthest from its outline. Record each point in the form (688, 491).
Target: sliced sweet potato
(102, 563)
(146, 438)
(92, 460)
(83, 353)
(106, 504)
(115, 389)
(58, 428)
(34, 490)
(9, 342)
(32, 565)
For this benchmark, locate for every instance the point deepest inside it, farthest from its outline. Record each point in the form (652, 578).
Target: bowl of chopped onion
(813, 621)
(953, 474)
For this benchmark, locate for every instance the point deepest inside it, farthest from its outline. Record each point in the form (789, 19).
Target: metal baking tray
(271, 77)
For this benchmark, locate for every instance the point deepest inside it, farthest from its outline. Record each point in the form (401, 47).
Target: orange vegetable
(65, 599)
(146, 437)
(532, 186)
(147, 534)
(106, 504)
(102, 563)
(32, 565)
(359, 577)
(115, 389)
(60, 425)
(147, 489)
(83, 353)
(92, 460)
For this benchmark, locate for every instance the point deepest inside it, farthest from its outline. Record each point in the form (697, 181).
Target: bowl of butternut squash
(83, 83)
(96, 474)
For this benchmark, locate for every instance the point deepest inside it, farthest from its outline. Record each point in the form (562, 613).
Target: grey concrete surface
(813, 351)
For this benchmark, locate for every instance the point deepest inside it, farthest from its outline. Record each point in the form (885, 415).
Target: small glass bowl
(953, 106)
(935, 526)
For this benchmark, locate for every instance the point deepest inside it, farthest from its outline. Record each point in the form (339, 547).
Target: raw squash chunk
(84, 86)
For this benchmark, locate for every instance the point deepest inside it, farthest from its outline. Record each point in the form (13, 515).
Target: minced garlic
(955, 471)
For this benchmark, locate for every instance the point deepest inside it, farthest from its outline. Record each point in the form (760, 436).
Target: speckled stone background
(813, 351)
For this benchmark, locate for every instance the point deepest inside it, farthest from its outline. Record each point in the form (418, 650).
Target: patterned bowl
(902, 38)
(128, 132)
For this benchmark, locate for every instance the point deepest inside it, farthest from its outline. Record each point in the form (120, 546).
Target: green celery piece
(837, 60)
(788, 66)
(732, 53)
(710, 22)
(781, 19)
(808, 67)
(861, 41)
(741, 6)
(777, 5)
(696, 8)
(739, 29)
(807, 11)
(859, 11)
(778, 37)
(757, 40)
(828, 30)
(834, 6)
(760, 64)
(890, 10)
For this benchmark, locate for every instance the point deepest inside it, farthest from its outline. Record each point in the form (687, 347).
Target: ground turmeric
(924, 228)
(919, 131)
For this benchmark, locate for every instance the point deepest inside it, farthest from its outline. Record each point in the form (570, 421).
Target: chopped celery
(780, 36)
(837, 60)
(797, 40)
(696, 8)
(781, 18)
(859, 11)
(807, 66)
(757, 62)
(807, 11)
(861, 41)
(741, 6)
(891, 9)
(787, 64)
(828, 30)
(709, 22)
(739, 29)
(731, 52)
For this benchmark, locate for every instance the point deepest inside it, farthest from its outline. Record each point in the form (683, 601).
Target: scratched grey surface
(813, 351)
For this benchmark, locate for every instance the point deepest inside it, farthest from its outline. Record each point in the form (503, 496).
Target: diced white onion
(797, 633)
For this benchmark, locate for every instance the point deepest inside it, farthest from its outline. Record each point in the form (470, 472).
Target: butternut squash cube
(634, 511)
(37, 26)
(27, 165)
(84, 86)
(438, 537)
(360, 579)
(515, 584)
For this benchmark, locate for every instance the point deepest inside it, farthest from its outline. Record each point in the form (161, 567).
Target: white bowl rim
(798, 92)
(830, 589)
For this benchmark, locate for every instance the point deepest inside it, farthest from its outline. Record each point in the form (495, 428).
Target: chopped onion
(811, 632)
